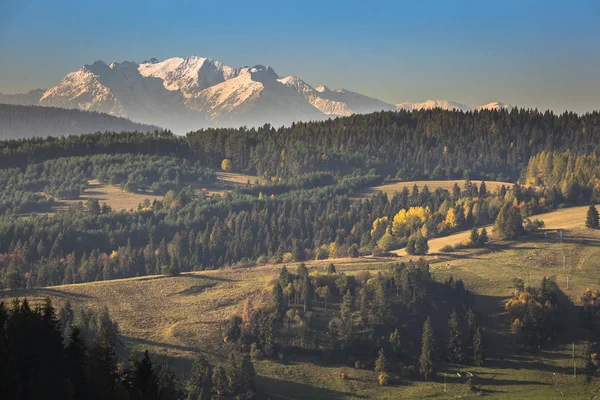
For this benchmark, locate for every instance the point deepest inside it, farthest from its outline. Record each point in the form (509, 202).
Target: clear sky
(531, 53)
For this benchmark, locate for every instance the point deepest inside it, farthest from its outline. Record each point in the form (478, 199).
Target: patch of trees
(536, 313)
(576, 176)
(72, 354)
(362, 320)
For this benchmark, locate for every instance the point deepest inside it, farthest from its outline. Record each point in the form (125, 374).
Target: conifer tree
(426, 362)
(346, 308)
(421, 245)
(478, 355)
(381, 363)
(483, 237)
(455, 342)
(474, 237)
(592, 220)
(198, 384)
(77, 363)
(482, 190)
(219, 383)
(277, 301)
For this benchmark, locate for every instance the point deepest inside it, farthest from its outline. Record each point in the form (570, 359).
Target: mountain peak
(322, 89)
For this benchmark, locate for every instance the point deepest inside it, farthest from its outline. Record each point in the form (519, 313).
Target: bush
(378, 251)
(447, 249)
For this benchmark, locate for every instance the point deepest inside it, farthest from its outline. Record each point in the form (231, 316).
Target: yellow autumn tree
(451, 220)
(405, 220)
(379, 227)
(226, 164)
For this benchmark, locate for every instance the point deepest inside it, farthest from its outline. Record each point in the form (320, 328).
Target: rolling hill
(19, 122)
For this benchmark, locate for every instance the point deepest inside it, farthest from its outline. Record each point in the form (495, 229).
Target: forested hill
(428, 144)
(32, 121)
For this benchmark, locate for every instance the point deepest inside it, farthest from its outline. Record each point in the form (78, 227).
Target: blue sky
(543, 54)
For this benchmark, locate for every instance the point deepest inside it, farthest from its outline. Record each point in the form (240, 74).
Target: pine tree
(426, 363)
(474, 238)
(592, 220)
(483, 237)
(198, 384)
(455, 342)
(381, 363)
(346, 308)
(396, 342)
(232, 374)
(482, 190)
(478, 355)
(246, 375)
(77, 363)
(277, 301)
(219, 383)
(421, 245)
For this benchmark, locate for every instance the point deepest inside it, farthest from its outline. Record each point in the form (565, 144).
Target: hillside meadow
(178, 316)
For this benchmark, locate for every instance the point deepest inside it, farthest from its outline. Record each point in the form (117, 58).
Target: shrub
(447, 249)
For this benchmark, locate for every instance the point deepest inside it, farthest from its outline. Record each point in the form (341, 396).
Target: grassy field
(178, 316)
(122, 200)
(395, 187)
(110, 194)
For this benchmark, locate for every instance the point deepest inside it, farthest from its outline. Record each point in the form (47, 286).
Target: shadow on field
(271, 388)
(206, 277)
(44, 292)
(128, 340)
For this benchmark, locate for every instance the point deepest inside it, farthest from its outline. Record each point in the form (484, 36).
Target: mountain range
(189, 93)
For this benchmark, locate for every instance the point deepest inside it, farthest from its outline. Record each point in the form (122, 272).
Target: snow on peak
(189, 75)
(431, 104)
(322, 89)
(494, 105)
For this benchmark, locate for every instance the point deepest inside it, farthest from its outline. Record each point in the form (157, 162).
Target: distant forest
(31, 121)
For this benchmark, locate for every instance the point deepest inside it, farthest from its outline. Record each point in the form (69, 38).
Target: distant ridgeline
(426, 144)
(32, 121)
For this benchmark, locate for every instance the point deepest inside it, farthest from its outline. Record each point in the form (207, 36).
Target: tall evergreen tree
(381, 363)
(198, 384)
(426, 360)
(478, 352)
(455, 342)
(591, 219)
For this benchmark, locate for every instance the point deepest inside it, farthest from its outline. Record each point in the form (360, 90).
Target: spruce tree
(77, 363)
(426, 363)
(474, 238)
(483, 237)
(219, 383)
(455, 342)
(591, 219)
(478, 355)
(421, 245)
(277, 301)
(198, 384)
(346, 308)
(381, 363)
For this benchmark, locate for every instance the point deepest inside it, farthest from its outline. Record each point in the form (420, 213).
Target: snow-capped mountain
(189, 75)
(431, 104)
(451, 105)
(119, 89)
(194, 92)
(494, 105)
(253, 97)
